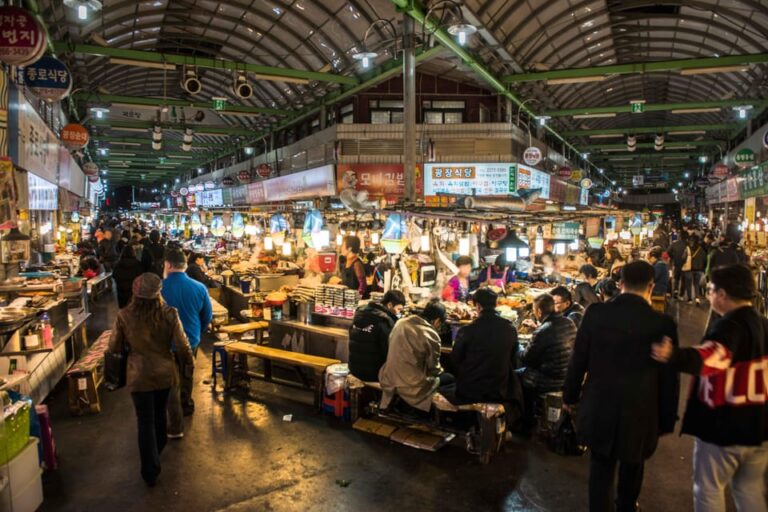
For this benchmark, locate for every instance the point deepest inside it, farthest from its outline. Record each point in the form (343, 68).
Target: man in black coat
(484, 354)
(195, 271)
(628, 399)
(677, 253)
(369, 335)
(565, 306)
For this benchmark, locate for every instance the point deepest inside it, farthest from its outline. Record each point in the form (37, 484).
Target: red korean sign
(379, 180)
(74, 136)
(22, 39)
(720, 171)
(565, 172)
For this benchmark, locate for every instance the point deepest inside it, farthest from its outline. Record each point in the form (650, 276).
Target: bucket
(327, 261)
(245, 285)
(304, 314)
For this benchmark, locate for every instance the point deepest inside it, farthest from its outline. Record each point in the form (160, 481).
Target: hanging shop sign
(71, 176)
(227, 182)
(209, 185)
(255, 193)
(565, 230)
(584, 197)
(576, 175)
(755, 181)
(74, 136)
(22, 38)
(90, 168)
(720, 171)
(191, 201)
(317, 182)
(34, 147)
(43, 195)
(532, 155)
(184, 191)
(379, 180)
(264, 170)
(239, 195)
(210, 198)
(244, 176)
(529, 178)
(586, 183)
(48, 78)
(480, 179)
(745, 158)
(565, 172)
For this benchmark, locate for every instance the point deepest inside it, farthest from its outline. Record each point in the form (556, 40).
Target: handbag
(564, 440)
(688, 261)
(115, 369)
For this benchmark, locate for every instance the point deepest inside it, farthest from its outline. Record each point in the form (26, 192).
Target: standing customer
(698, 263)
(628, 399)
(147, 329)
(126, 270)
(107, 251)
(677, 253)
(727, 410)
(156, 251)
(191, 300)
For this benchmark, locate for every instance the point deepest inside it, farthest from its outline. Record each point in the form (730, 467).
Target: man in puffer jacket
(369, 335)
(545, 360)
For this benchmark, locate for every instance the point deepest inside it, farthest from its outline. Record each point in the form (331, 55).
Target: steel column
(409, 108)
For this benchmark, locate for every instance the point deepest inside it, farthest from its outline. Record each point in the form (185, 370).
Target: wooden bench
(98, 285)
(237, 330)
(487, 439)
(85, 377)
(271, 355)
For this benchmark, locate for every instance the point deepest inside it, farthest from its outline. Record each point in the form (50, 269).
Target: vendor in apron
(498, 274)
(457, 288)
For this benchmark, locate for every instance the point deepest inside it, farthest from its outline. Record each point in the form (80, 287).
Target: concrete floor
(239, 455)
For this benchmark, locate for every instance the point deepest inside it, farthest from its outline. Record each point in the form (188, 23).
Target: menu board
(528, 177)
(480, 179)
(209, 198)
(565, 230)
(43, 195)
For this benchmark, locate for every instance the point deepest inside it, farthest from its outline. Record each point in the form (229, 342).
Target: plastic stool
(221, 367)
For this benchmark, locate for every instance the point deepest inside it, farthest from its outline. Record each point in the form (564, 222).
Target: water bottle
(47, 330)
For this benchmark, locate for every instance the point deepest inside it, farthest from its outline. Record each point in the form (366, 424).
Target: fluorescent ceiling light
(717, 69)
(127, 129)
(142, 64)
(614, 150)
(687, 132)
(181, 156)
(622, 159)
(115, 153)
(576, 80)
(594, 116)
(126, 143)
(676, 158)
(695, 110)
(242, 114)
(607, 136)
(286, 79)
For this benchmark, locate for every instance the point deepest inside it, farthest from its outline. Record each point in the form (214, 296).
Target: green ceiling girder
(650, 145)
(148, 143)
(638, 67)
(417, 12)
(661, 107)
(199, 129)
(646, 156)
(654, 129)
(200, 62)
(141, 153)
(158, 102)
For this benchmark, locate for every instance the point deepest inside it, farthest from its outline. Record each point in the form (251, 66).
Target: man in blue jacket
(191, 300)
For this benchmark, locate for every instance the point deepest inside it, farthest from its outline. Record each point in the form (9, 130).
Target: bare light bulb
(82, 12)
(462, 38)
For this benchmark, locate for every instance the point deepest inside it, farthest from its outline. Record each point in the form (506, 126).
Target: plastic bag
(564, 440)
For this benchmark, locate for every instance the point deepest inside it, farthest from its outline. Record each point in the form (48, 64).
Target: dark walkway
(238, 455)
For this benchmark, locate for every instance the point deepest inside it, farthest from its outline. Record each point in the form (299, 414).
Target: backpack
(564, 440)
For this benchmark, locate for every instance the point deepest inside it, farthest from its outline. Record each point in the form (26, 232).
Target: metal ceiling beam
(417, 12)
(650, 145)
(147, 125)
(646, 156)
(659, 107)
(128, 143)
(159, 102)
(654, 129)
(201, 62)
(638, 67)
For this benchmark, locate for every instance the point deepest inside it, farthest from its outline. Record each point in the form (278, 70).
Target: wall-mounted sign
(379, 180)
(210, 198)
(48, 78)
(184, 191)
(532, 155)
(74, 136)
(244, 176)
(720, 171)
(33, 146)
(586, 183)
(565, 172)
(264, 170)
(43, 195)
(22, 39)
(209, 185)
(565, 230)
(637, 106)
(228, 181)
(90, 169)
(314, 183)
(528, 177)
(745, 158)
(480, 179)
(584, 197)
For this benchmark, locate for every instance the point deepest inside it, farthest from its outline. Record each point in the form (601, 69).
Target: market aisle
(238, 455)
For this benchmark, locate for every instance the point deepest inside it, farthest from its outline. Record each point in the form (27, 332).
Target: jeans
(602, 475)
(691, 281)
(150, 417)
(180, 398)
(741, 467)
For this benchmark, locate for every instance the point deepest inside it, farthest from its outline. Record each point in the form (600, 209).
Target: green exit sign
(637, 106)
(219, 103)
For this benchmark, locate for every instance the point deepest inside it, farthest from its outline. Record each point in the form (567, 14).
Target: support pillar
(409, 108)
